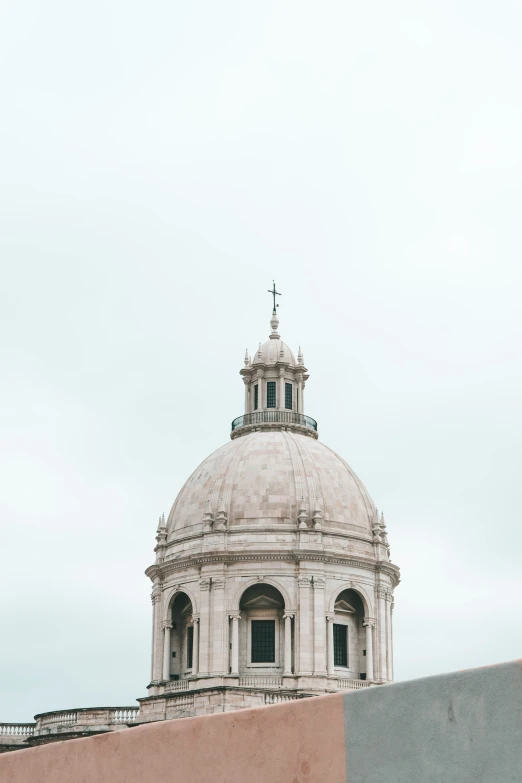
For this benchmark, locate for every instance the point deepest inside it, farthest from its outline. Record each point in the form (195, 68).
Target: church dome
(270, 478)
(274, 351)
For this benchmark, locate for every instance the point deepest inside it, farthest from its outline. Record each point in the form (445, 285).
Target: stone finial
(207, 519)
(282, 351)
(303, 516)
(376, 529)
(259, 352)
(317, 515)
(161, 539)
(221, 516)
(299, 356)
(384, 532)
(274, 323)
(247, 361)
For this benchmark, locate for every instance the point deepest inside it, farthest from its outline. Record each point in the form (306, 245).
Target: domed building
(273, 578)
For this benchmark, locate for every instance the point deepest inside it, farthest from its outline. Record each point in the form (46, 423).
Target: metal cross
(274, 294)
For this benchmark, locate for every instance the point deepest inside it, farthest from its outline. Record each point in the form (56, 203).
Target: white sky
(160, 163)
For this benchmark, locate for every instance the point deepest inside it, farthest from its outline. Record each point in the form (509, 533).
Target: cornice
(285, 528)
(169, 567)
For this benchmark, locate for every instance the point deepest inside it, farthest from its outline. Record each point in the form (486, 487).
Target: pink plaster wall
(301, 741)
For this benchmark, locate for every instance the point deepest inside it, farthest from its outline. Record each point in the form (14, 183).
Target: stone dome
(274, 351)
(270, 478)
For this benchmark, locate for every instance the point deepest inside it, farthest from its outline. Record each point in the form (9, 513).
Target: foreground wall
(457, 728)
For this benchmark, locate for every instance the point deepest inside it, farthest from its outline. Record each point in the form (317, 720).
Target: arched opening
(261, 630)
(181, 651)
(349, 638)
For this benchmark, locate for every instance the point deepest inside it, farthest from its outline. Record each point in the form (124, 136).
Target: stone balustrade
(260, 681)
(84, 719)
(16, 729)
(278, 698)
(177, 685)
(124, 715)
(352, 685)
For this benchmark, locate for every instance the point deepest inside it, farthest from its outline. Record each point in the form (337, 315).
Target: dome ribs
(231, 478)
(220, 495)
(309, 469)
(368, 502)
(298, 476)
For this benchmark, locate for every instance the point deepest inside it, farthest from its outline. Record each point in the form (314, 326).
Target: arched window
(288, 396)
(181, 637)
(271, 394)
(349, 636)
(261, 629)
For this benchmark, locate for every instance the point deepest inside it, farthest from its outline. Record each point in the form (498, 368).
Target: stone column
(157, 637)
(369, 622)
(319, 630)
(381, 633)
(234, 653)
(195, 645)
(389, 643)
(299, 393)
(155, 598)
(218, 621)
(204, 629)
(330, 619)
(247, 395)
(261, 390)
(166, 650)
(281, 389)
(306, 650)
(302, 398)
(287, 669)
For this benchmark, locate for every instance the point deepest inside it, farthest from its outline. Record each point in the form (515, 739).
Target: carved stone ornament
(304, 581)
(204, 584)
(303, 517)
(218, 583)
(319, 583)
(381, 591)
(369, 621)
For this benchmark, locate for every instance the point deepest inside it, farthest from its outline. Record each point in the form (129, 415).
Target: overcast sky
(160, 163)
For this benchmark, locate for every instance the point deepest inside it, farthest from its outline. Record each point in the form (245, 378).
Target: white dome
(267, 478)
(274, 351)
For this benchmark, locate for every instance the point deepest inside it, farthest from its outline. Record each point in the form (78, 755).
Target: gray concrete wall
(464, 727)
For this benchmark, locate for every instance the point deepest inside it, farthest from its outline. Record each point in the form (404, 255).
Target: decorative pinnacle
(246, 358)
(299, 356)
(274, 323)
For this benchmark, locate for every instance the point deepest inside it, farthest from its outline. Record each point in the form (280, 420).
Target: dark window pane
(288, 396)
(263, 641)
(270, 394)
(340, 634)
(256, 397)
(190, 645)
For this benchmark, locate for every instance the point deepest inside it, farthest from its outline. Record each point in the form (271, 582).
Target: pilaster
(318, 584)
(306, 651)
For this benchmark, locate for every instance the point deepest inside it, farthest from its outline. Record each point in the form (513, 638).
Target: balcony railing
(177, 685)
(260, 681)
(352, 685)
(16, 729)
(274, 417)
(84, 719)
